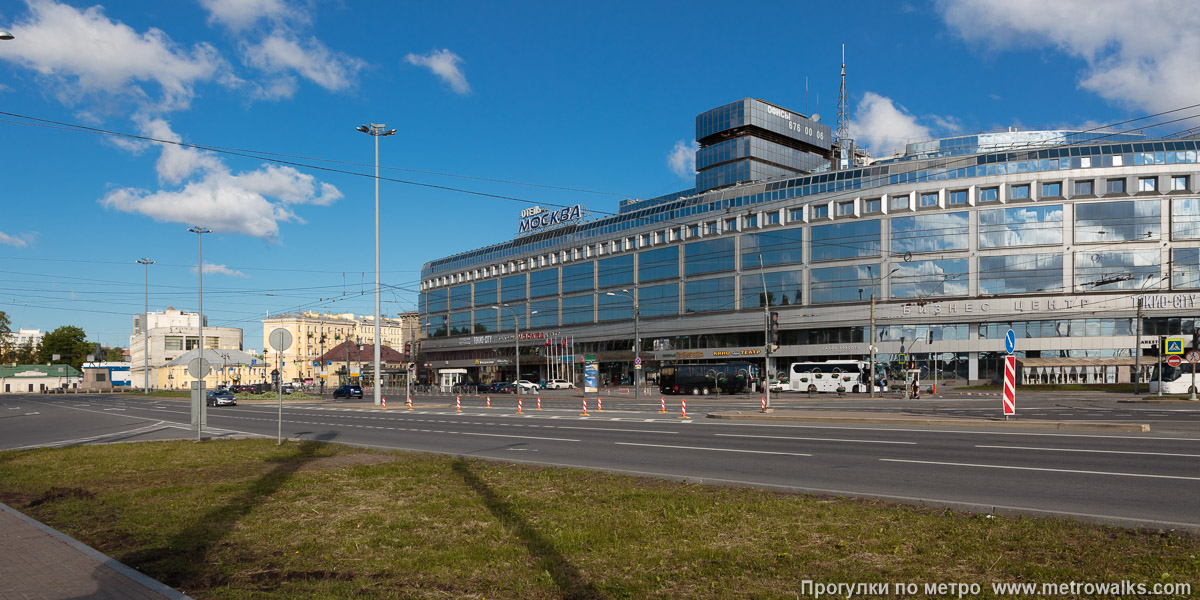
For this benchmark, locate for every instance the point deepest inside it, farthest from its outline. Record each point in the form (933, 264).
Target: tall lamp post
(871, 343)
(200, 231)
(376, 130)
(637, 338)
(145, 262)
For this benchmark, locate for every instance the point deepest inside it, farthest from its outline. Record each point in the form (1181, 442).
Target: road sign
(1010, 341)
(1174, 360)
(1193, 356)
(638, 361)
(199, 367)
(280, 339)
(901, 358)
(1174, 345)
(1010, 385)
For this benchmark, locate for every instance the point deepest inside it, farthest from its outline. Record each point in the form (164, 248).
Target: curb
(1083, 425)
(1156, 401)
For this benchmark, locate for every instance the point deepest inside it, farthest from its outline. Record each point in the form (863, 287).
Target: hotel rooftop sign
(536, 218)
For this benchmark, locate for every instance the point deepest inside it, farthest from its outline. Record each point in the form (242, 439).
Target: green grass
(248, 519)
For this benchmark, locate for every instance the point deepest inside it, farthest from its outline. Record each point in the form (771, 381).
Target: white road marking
(97, 437)
(713, 449)
(811, 439)
(952, 464)
(32, 413)
(1092, 451)
(522, 437)
(608, 429)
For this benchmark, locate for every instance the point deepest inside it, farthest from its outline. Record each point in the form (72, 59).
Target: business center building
(1058, 235)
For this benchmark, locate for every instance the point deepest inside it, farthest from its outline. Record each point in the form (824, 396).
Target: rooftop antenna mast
(843, 119)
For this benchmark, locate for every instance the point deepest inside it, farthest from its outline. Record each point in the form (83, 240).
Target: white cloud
(1141, 54)
(883, 127)
(20, 240)
(444, 64)
(84, 53)
(682, 158)
(241, 14)
(252, 203)
(211, 269)
(281, 54)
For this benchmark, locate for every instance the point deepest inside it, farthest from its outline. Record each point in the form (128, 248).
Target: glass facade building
(956, 240)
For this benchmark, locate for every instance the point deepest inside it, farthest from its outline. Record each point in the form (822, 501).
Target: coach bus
(704, 379)
(829, 375)
(1175, 380)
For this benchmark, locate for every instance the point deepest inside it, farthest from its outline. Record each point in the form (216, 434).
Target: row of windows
(671, 208)
(1031, 225)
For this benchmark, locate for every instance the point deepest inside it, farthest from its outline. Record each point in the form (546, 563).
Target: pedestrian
(916, 390)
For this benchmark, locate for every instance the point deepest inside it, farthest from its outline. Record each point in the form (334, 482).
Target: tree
(69, 342)
(115, 355)
(6, 341)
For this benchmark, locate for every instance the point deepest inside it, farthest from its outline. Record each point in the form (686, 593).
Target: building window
(711, 228)
(694, 231)
(1019, 192)
(796, 214)
(957, 197)
(1147, 184)
(773, 217)
(845, 209)
(1084, 187)
(731, 224)
(1052, 190)
(929, 199)
(752, 221)
(820, 211)
(898, 202)
(658, 237)
(989, 194)
(873, 205)
(1179, 183)
(1115, 186)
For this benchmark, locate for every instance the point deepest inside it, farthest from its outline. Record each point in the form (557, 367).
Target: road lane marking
(713, 449)
(1115, 474)
(1094, 451)
(608, 429)
(811, 439)
(522, 437)
(84, 440)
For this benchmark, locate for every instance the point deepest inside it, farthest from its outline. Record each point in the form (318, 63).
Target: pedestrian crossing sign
(1174, 346)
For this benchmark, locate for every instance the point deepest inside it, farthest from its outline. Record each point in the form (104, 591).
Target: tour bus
(1175, 380)
(703, 379)
(829, 375)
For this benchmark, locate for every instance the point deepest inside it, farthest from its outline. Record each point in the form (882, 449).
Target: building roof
(10, 371)
(366, 354)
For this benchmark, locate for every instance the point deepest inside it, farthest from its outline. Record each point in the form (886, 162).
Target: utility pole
(871, 346)
(1137, 351)
(145, 262)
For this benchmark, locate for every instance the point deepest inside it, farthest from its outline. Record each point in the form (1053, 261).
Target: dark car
(348, 391)
(503, 387)
(221, 398)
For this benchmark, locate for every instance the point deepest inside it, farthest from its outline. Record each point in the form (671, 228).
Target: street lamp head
(363, 128)
(389, 132)
(198, 229)
(609, 294)
(4, 35)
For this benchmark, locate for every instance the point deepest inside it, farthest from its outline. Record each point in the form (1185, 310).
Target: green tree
(114, 354)
(6, 341)
(26, 354)
(69, 342)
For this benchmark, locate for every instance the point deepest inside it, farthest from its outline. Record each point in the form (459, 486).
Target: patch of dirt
(344, 461)
(55, 494)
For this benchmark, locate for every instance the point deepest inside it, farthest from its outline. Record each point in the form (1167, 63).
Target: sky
(125, 123)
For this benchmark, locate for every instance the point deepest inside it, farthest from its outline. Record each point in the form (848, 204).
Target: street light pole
(637, 341)
(871, 342)
(376, 130)
(145, 262)
(516, 338)
(200, 231)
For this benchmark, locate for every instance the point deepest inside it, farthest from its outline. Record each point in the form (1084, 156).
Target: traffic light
(774, 329)
(407, 351)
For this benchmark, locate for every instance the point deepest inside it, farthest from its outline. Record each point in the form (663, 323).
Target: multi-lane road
(1124, 477)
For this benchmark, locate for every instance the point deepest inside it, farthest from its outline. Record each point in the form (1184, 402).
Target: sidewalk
(39, 563)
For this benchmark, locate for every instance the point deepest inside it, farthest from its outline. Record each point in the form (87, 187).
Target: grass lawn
(248, 519)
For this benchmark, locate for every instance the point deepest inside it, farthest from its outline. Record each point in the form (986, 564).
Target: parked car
(559, 384)
(289, 388)
(526, 386)
(348, 391)
(502, 387)
(778, 386)
(221, 398)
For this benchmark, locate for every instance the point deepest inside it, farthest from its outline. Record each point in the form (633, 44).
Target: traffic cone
(764, 404)
(683, 411)
(410, 403)
(383, 400)
(539, 403)
(489, 401)
(599, 404)
(458, 404)
(519, 411)
(663, 400)
(584, 413)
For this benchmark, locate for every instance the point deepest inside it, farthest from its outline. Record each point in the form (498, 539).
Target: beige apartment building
(168, 335)
(314, 334)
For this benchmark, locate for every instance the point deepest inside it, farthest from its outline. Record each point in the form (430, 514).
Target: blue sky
(570, 102)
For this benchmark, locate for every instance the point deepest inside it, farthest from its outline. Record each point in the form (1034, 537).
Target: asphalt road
(1141, 479)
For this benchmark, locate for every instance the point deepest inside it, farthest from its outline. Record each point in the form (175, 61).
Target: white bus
(1175, 380)
(827, 376)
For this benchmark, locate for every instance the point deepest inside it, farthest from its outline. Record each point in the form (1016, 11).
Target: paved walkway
(39, 563)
